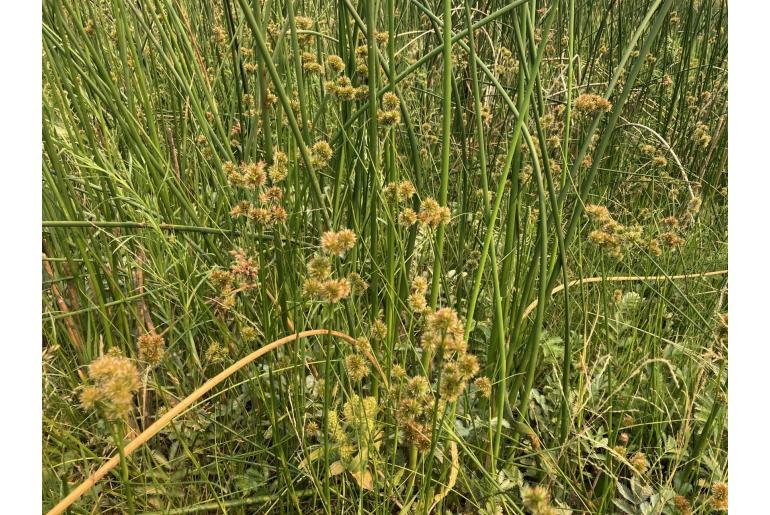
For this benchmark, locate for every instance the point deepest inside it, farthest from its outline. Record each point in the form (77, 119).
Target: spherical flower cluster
(432, 214)
(320, 268)
(682, 505)
(537, 500)
(338, 243)
(249, 334)
(246, 175)
(484, 386)
(694, 205)
(320, 154)
(330, 290)
(639, 463)
(115, 379)
(647, 149)
(671, 239)
(390, 114)
(417, 302)
(303, 23)
(407, 217)
(335, 63)
(357, 283)
(719, 496)
(341, 89)
(379, 330)
(310, 65)
(399, 192)
(701, 134)
(152, 347)
(361, 412)
(362, 92)
(362, 56)
(216, 353)
(335, 290)
(280, 167)
(356, 367)
(592, 103)
(444, 329)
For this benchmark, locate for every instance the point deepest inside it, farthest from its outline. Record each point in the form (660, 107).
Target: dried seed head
(357, 283)
(432, 215)
(592, 103)
(312, 288)
(152, 347)
(390, 101)
(468, 365)
(356, 367)
(379, 330)
(535, 498)
(320, 154)
(320, 267)
(484, 385)
(335, 290)
(682, 505)
(115, 379)
(338, 243)
(335, 63)
(639, 463)
(407, 217)
(718, 499)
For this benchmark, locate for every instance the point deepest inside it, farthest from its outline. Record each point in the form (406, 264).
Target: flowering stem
(118, 439)
(446, 135)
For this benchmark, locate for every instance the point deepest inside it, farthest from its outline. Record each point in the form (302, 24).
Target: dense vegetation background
(420, 178)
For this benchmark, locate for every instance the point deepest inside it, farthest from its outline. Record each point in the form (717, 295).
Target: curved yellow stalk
(188, 401)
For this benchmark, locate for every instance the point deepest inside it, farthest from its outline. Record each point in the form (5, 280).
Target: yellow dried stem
(177, 410)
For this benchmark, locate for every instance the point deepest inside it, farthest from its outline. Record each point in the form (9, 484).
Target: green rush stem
(285, 102)
(567, 362)
(497, 294)
(119, 443)
(430, 54)
(446, 132)
(372, 146)
(489, 235)
(298, 71)
(392, 174)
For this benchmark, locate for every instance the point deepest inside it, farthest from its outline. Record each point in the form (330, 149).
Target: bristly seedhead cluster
(719, 496)
(537, 499)
(268, 210)
(114, 379)
(382, 240)
(591, 103)
(432, 214)
(320, 284)
(152, 348)
(390, 114)
(617, 239)
(338, 243)
(242, 276)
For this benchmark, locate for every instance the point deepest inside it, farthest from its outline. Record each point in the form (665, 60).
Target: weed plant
(492, 235)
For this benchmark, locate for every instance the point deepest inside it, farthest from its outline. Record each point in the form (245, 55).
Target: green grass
(609, 394)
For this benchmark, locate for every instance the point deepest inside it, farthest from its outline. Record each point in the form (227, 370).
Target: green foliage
(214, 180)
